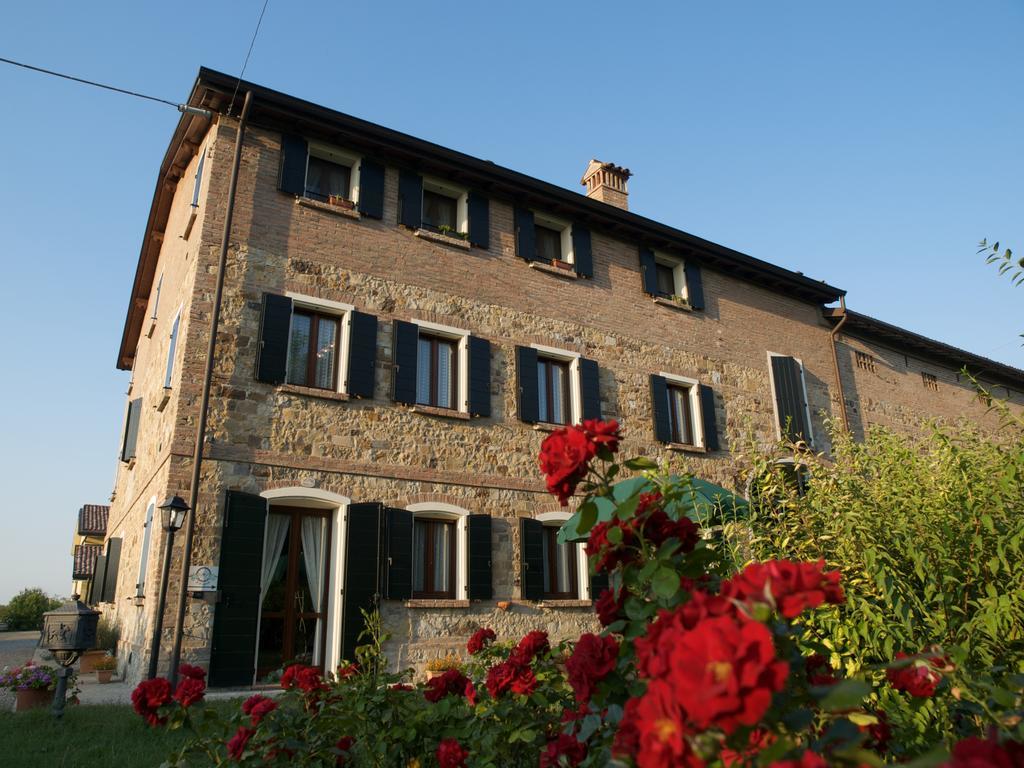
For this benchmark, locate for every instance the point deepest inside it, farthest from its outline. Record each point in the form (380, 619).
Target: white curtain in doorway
(313, 555)
(273, 544)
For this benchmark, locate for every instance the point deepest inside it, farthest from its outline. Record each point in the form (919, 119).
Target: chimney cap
(599, 165)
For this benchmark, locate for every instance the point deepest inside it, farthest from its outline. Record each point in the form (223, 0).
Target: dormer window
(549, 243)
(440, 211)
(327, 177)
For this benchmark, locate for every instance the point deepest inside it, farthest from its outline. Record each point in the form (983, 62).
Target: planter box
(88, 660)
(32, 699)
(104, 675)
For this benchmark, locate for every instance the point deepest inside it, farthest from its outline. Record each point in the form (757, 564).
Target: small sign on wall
(202, 578)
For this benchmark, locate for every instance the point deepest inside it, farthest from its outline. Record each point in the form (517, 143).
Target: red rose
(608, 607)
(627, 738)
(451, 682)
(343, 744)
(974, 752)
(480, 640)
(533, 644)
(236, 744)
(878, 734)
(603, 434)
(807, 760)
(401, 687)
(304, 678)
(564, 459)
(187, 670)
(148, 697)
(757, 740)
(654, 647)
(919, 679)
(792, 587)
(819, 671)
(567, 746)
(610, 555)
(190, 690)
(661, 730)
(500, 677)
(525, 682)
(348, 671)
(657, 527)
(592, 660)
(258, 707)
(470, 693)
(450, 754)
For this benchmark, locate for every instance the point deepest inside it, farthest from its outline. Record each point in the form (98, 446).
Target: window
(930, 381)
(792, 411)
(331, 173)
(171, 347)
(666, 280)
(681, 402)
(437, 371)
(199, 180)
(553, 239)
(440, 211)
(433, 558)
(561, 575)
(553, 391)
(549, 243)
(313, 349)
(670, 276)
(147, 532)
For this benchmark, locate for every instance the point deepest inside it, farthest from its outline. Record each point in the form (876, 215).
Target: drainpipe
(835, 361)
(204, 405)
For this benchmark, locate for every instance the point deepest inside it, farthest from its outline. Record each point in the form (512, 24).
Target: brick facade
(327, 448)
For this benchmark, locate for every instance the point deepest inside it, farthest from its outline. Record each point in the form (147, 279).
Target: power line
(247, 55)
(90, 82)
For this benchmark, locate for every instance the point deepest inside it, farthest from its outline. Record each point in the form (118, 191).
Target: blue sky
(870, 144)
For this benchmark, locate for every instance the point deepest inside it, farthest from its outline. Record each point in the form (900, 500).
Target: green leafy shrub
(25, 610)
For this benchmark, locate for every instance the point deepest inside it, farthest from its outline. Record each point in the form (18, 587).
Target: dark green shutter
(371, 188)
(398, 556)
(362, 354)
(131, 430)
(275, 324)
(479, 376)
(709, 417)
(694, 286)
(590, 388)
(531, 542)
(598, 584)
(526, 384)
(364, 523)
(790, 398)
(236, 616)
(96, 585)
(659, 407)
(410, 199)
(294, 154)
(479, 535)
(583, 260)
(113, 564)
(479, 220)
(526, 236)
(405, 340)
(648, 271)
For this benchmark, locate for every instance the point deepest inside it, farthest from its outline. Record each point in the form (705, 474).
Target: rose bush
(698, 664)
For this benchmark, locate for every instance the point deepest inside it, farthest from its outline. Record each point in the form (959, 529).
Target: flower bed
(696, 665)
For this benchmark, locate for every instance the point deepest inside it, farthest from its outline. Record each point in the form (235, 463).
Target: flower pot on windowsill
(340, 202)
(33, 698)
(103, 676)
(563, 265)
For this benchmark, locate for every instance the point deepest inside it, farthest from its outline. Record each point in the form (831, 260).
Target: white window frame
(147, 540)
(775, 400)
(334, 154)
(438, 510)
(457, 193)
(678, 273)
(461, 337)
(344, 314)
(555, 520)
(696, 412)
(562, 226)
(575, 386)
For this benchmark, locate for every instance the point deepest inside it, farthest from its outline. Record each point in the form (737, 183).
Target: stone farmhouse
(401, 325)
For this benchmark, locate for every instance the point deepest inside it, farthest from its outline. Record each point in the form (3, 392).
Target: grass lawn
(95, 736)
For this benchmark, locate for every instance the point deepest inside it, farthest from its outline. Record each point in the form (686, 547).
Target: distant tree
(26, 609)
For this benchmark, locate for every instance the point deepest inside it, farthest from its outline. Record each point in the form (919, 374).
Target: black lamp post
(172, 515)
(67, 632)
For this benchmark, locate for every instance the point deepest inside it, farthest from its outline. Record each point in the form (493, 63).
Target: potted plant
(438, 666)
(105, 668)
(340, 202)
(32, 684)
(108, 635)
(447, 231)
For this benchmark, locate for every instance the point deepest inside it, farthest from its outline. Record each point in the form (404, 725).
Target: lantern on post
(67, 632)
(172, 516)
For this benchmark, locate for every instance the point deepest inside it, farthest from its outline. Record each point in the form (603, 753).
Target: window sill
(438, 237)
(430, 603)
(546, 426)
(165, 399)
(337, 210)
(138, 601)
(444, 413)
(563, 603)
(680, 304)
(568, 271)
(130, 464)
(193, 214)
(323, 394)
(686, 448)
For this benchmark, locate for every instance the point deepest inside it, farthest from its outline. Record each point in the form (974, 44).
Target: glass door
(296, 562)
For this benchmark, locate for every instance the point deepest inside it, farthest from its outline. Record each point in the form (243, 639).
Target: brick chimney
(607, 182)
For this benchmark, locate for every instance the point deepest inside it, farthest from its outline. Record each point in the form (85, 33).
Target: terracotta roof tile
(85, 560)
(92, 520)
